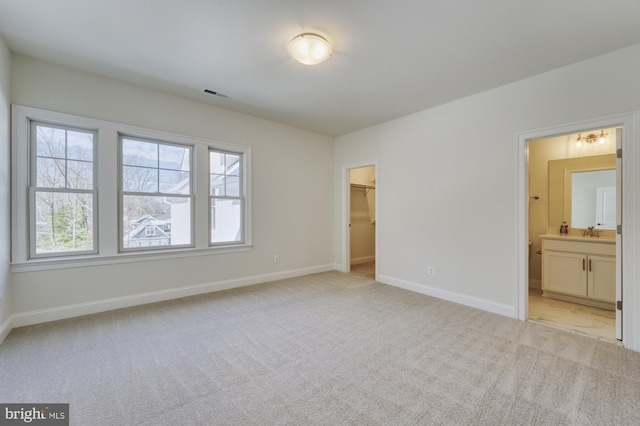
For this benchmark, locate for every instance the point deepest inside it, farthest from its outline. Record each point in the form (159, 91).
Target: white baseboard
(366, 259)
(5, 328)
(79, 309)
(474, 302)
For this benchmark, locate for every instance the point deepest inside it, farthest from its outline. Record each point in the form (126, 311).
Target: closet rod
(366, 188)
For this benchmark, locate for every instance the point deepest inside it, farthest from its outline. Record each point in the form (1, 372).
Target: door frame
(630, 212)
(346, 213)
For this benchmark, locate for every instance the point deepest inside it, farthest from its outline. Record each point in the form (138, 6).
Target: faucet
(590, 232)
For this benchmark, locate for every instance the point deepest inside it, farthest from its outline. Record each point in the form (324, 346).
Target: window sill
(127, 257)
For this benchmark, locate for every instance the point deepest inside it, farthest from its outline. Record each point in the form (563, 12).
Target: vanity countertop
(602, 240)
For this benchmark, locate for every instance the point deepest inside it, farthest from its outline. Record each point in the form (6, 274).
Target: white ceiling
(391, 58)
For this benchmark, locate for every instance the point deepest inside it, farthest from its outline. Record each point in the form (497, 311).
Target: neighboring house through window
(150, 231)
(156, 182)
(76, 177)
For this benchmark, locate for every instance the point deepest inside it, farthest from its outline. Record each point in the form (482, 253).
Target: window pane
(233, 163)
(138, 153)
(216, 163)
(222, 163)
(174, 158)
(226, 214)
(63, 222)
(50, 173)
(233, 186)
(174, 182)
(139, 179)
(155, 221)
(226, 221)
(217, 185)
(80, 146)
(50, 142)
(224, 170)
(151, 220)
(53, 147)
(155, 167)
(79, 175)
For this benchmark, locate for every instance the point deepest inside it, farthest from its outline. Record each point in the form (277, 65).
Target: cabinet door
(564, 273)
(602, 278)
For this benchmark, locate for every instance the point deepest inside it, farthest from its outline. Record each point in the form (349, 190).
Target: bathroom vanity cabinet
(579, 269)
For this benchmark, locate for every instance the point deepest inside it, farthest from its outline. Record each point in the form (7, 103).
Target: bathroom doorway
(574, 251)
(362, 221)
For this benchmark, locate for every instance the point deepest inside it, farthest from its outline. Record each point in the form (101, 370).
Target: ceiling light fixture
(592, 138)
(310, 49)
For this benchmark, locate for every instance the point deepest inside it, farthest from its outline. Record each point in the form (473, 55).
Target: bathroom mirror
(593, 199)
(589, 174)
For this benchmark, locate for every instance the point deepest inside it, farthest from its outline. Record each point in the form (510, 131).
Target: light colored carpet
(326, 349)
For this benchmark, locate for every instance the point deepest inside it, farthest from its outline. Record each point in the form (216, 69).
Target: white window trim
(241, 198)
(33, 188)
(122, 193)
(106, 181)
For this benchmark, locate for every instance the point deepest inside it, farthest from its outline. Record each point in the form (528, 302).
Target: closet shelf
(366, 188)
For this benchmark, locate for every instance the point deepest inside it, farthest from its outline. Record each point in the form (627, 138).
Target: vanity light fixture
(592, 138)
(310, 49)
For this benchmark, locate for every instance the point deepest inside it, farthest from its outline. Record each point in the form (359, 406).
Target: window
(62, 195)
(156, 194)
(74, 179)
(225, 197)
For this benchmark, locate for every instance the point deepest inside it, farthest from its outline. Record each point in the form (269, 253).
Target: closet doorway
(361, 217)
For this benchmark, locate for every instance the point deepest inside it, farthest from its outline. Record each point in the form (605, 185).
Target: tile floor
(584, 319)
(365, 269)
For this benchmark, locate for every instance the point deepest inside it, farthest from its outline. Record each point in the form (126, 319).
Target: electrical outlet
(431, 270)
(276, 258)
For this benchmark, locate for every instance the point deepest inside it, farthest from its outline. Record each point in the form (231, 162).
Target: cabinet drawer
(607, 249)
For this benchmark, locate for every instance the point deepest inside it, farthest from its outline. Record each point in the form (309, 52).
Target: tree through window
(148, 196)
(63, 190)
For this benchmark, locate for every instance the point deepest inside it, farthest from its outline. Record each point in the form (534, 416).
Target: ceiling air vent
(211, 92)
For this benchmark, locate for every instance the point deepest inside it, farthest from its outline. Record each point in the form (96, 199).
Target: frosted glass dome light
(310, 49)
